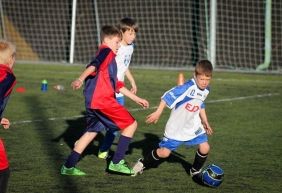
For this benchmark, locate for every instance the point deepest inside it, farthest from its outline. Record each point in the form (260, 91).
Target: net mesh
(173, 33)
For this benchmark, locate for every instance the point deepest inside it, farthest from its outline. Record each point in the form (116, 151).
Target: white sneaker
(194, 172)
(138, 167)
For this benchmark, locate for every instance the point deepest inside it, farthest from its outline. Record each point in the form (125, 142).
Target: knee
(130, 130)
(204, 148)
(134, 124)
(163, 152)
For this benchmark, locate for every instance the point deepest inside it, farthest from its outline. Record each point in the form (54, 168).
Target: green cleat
(72, 171)
(103, 154)
(120, 168)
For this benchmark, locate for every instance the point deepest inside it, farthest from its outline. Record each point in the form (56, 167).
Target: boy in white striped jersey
(187, 124)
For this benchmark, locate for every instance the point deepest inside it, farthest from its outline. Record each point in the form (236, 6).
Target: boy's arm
(4, 121)
(132, 81)
(154, 117)
(205, 122)
(91, 67)
(144, 103)
(76, 84)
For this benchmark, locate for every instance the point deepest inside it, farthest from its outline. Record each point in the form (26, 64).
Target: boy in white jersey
(187, 124)
(129, 28)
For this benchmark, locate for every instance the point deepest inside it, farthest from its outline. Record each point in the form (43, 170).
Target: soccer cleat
(121, 168)
(194, 172)
(138, 167)
(103, 154)
(72, 171)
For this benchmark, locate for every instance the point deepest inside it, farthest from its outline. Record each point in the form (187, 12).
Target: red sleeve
(120, 84)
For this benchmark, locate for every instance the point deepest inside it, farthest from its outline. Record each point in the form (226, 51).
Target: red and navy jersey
(101, 85)
(7, 82)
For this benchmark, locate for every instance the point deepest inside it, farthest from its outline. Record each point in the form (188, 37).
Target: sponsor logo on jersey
(198, 131)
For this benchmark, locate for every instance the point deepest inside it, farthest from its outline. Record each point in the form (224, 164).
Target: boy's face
(113, 43)
(128, 36)
(202, 81)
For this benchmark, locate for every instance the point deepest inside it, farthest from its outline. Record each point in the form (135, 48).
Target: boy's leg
(69, 167)
(200, 158)
(106, 144)
(4, 178)
(110, 136)
(155, 157)
(117, 117)
(117, 164)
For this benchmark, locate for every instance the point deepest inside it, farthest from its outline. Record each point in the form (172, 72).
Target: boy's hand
(5, 122)
(76, 84)
(144, 103)
(153, 118)
(208, 128)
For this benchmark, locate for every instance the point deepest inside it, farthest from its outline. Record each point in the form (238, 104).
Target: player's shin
(152, 159)
(199, 161)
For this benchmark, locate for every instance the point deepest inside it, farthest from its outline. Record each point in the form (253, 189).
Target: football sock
(199, 160)
(107, 142)
(121, 148)
(151, 159)
(72, 159)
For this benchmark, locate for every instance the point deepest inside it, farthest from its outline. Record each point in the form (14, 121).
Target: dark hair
(110, 31)
(204, 67)
(127, 23)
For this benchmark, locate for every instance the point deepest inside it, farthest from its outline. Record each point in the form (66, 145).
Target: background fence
(235, 34)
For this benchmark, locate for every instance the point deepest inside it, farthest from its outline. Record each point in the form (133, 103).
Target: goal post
(267, 41)
(212, 44)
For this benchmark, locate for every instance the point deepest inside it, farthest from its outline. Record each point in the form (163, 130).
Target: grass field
(244, 110)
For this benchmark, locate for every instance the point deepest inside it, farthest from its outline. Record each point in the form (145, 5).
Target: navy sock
(199, 160)
(72, 159)
(108, 141)
(121, 148)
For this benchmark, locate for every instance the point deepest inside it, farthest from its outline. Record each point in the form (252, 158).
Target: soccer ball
(212, 175)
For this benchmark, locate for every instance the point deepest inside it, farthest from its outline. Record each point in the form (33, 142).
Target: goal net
(173, 33)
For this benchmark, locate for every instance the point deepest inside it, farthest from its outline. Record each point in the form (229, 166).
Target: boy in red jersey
(7, 82)
(102, 108)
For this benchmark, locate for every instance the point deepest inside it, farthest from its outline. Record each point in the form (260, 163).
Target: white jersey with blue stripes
(186, 101)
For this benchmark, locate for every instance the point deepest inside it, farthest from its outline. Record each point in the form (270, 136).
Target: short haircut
(110, 31)
(128, 23)
(204, 67)
(7, 49)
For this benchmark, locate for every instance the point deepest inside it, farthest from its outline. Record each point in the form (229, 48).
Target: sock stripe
(201, 155)
(154, 156)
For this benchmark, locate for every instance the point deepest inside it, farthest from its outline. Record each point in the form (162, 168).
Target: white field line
(139, 109)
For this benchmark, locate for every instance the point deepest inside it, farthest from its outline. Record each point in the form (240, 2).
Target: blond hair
(7, 50)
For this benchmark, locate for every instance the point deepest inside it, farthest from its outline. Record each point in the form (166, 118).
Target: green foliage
(246, 142)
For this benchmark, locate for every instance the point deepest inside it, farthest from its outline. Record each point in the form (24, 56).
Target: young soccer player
(102, 108)
(7, 82)
(188, 123)
(129, 28)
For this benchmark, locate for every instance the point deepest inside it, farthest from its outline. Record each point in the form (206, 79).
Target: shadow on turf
(151, 142)
(74, 131)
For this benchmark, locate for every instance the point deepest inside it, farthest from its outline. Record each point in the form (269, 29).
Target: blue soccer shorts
(172, 144)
